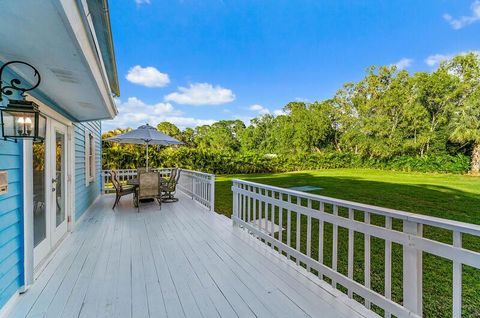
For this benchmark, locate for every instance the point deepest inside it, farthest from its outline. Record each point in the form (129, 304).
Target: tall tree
(465, 124)
(169, 129)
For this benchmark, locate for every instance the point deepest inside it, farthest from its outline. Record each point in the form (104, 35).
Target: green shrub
(226, 162)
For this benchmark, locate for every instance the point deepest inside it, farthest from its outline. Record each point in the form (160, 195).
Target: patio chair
(169, 188)
(120, 190)
(149, 187)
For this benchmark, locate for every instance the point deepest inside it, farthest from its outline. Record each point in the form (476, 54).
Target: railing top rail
(407, 216)
(198, 172)
(166, 168)
(134, 169)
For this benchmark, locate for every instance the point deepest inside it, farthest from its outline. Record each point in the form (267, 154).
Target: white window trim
(90, 151)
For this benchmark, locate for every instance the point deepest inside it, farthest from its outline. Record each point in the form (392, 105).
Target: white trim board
(28, 213)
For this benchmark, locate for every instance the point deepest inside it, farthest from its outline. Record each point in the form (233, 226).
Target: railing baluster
(249, 188)
(261, 213)
(244, 203)
(255, 218)
(321, 236)
(272, 217)
(388, 264)
(289, 223)
(457, 278)
(309, 232)
(280, 219)
(350, 251)
(299, 228)
(334, 245)
(367, 259)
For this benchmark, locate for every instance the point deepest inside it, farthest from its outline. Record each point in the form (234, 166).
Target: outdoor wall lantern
(21, 119)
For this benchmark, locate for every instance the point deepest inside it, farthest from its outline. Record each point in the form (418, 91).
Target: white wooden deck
(182, 261)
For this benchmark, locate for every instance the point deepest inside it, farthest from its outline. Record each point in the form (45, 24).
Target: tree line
(388, 114)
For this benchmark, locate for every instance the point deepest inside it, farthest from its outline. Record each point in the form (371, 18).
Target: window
(90, 165)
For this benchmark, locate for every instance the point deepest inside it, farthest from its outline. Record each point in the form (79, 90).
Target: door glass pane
(60, 173)
(39, 212)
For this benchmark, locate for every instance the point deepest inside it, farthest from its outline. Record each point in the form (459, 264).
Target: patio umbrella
(145, 135)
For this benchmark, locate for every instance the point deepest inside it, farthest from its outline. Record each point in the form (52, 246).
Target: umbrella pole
(147, 158)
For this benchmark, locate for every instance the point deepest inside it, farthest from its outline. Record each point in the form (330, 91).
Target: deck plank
(288, 272)
(94, 290)
(275, 306)
(181, 261)
(53, 297)
(75, 301)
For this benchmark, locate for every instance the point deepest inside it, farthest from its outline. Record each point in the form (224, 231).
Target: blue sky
(196, 61)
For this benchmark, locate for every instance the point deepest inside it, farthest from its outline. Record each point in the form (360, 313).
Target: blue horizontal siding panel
(85, 195)
(11, 221)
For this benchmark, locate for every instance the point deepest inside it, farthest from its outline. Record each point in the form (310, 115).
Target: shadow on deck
(181, 261)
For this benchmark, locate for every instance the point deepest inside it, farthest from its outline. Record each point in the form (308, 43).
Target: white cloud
(246, 119)
(403, 63)
(259, 109)
(134, 112)
(147, 76)
(436, 59)
(279, 112)
(140, 2)
(183, 122)
(302, 99)
(201, 94)
(463, 21)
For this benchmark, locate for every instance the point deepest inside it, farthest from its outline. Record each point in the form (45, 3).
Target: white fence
(285, 220)
(198, 185)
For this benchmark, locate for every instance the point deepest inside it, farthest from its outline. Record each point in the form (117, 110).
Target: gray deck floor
(182, 261)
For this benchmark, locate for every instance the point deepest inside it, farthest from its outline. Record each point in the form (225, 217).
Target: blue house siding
(85, 195)
(11, 221)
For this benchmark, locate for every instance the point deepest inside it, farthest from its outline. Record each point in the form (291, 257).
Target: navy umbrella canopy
(145, 135)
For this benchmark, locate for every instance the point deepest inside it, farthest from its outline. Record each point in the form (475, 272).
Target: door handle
(54, 181)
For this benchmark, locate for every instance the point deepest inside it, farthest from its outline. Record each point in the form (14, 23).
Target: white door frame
(29, 261)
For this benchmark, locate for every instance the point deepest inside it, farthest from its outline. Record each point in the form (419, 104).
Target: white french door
(58, 182)
(50, 191)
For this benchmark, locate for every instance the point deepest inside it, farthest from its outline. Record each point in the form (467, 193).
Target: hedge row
(235, 163)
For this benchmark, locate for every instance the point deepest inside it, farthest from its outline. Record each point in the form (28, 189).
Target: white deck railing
(199, 186)
(278, 216)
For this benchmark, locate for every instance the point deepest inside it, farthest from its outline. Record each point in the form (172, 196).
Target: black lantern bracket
(20, 118)
(15, 83)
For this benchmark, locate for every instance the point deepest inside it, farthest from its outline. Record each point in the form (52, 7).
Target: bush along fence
(228, 162)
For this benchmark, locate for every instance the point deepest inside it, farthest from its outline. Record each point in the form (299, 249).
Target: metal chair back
(116, 183)
(149, 185)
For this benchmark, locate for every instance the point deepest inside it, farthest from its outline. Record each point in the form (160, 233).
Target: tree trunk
(475, 165)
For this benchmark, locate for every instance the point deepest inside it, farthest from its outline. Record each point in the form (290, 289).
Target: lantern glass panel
(42, 127)
(8, 121)
(23, 124)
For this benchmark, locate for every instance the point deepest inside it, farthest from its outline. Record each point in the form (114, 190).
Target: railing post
(212, 193)
(235, 205)
(412, 270)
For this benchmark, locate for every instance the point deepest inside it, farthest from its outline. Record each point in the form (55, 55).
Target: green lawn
(448, 196)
